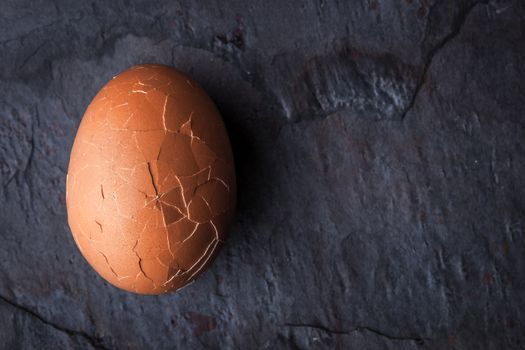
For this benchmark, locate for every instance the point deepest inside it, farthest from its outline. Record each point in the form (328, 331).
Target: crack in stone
(418, 340)
(457, 26)
(32, 54)
(94, 341)
(31, 32)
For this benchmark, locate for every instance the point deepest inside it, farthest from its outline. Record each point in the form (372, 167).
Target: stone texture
(380, 158)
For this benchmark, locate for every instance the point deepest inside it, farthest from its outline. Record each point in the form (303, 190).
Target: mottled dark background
(380, 156)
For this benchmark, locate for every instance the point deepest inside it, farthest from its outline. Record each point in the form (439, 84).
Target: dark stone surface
(381, 162)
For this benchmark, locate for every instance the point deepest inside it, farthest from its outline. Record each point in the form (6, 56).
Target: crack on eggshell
(107, 262)
(221, 181)
(205, 254)
(192, 232)
(140, 266)
(119, 278)
(146, 186)
(185, 128)
(164, 112)
(128, 120)
(168, 243)
(216, 231)
(171, 278)
(153, 180)
(160, 262)
(100, 225)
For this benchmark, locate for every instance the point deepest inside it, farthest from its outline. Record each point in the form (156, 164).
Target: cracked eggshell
(151, 182)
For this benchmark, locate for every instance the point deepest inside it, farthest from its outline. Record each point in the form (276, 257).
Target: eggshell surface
(151, 181)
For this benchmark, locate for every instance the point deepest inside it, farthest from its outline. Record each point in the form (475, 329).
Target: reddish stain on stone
(373, 5)
(451, 339)
(201, 323)
(236, 36)
(56, 129)
(422, 12)
(220, 279)
(488, 278)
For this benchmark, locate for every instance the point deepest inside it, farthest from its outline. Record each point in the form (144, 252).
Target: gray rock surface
(380, 149)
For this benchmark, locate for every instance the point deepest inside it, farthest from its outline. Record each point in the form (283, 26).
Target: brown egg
(151, 182)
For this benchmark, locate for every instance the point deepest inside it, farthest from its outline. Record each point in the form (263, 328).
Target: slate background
(380, 157)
